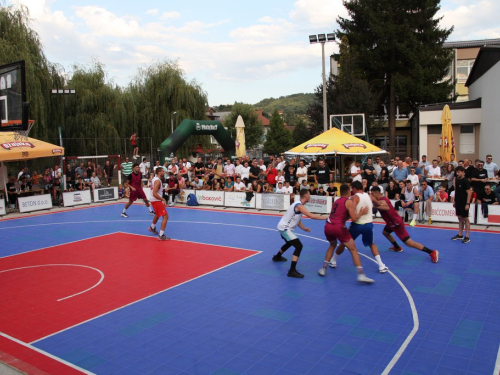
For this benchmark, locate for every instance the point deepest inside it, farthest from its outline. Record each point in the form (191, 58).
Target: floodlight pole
(323, 38)
(63, 92)
(172, 122)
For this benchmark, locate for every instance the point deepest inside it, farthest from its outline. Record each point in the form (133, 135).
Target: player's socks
(415, 216)
(335, 256)
(395, 244)
(427, 250)
(162, 232)
(124, 210)
(360, 270)
(153, 226)
(379, 261)
(294, 264)
(150, 209)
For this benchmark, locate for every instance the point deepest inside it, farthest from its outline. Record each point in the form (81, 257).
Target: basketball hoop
(22, 135)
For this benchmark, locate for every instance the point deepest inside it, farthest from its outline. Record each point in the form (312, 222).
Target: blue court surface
(250, 318)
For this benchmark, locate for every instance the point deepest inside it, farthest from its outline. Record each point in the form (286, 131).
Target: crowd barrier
(441, 211)
(3, 210)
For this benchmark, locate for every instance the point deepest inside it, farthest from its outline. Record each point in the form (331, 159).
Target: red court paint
(134, 267)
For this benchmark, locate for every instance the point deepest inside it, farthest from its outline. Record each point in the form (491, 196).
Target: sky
(241, 51)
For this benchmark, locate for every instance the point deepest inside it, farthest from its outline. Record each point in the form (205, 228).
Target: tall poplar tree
(400, 51)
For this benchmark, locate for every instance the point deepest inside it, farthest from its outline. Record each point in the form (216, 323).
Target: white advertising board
(278, 202)
(3, 210)
(445, 212)
(318, 204)
(147, 191)
(106, 194)
(34, 203)
(182, 197)
(493, 215)
(209, 197)
(237, 199)
(75, 198)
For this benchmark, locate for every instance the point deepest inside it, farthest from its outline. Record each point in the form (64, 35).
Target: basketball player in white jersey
(290, 220)
(158, 203)
(363, 226)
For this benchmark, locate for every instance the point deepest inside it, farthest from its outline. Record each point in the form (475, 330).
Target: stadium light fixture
(323, 38)
(172, 121)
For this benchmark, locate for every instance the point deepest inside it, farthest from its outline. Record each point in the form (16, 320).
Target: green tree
(399, 47)
(19, 42)
(300, 133)
(278, 138)
(158, 91)
(253, 127)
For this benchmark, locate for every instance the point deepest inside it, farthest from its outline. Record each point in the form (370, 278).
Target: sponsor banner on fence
(3, 210)
(272, 201)
(211, 198)
(106, 194)
(237, 199)
(493, 215)
(147, 192)
(445, 212)
(34, 203)
(182, 196)
(318, 204)
(75, 198)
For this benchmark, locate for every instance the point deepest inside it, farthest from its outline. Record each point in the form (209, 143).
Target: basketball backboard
(13, 106)
(353, 124)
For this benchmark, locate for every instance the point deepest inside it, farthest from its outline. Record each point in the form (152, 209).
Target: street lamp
(63, 92)
(323, 38)
(172, 120)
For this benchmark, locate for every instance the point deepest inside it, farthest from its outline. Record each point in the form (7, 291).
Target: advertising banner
(75, 198)
(105, 194)
(445, 212)
(319, 204)
(237, 199)
(208, 197)
(34, 203)
(278, 202)
(147, 191)
(3, 210)
(182, 196)
(493, 215)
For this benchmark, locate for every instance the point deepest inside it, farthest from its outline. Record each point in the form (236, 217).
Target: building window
(401, 144)
(467, 139)
(434, 129)
(463, 69)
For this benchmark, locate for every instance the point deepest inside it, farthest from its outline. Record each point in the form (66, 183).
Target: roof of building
(264, 120)
(485, 60)
(472, 43)
(458, 105)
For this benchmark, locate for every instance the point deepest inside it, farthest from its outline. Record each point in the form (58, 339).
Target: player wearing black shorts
(463, 196)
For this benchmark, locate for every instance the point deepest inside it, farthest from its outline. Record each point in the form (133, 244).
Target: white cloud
(170, 15)
(318, 14)
(472, 19)
(152, 12)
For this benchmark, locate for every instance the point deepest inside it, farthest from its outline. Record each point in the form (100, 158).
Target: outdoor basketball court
(86, 291)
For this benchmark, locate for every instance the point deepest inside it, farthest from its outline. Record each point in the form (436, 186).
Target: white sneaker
(322, 271)
(333, 264)
(363, 279)
(383, 269)
(170, 204)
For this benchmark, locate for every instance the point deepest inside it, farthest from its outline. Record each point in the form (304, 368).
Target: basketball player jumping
(134, 182)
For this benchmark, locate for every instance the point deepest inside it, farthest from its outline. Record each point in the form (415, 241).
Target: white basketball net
(22, 135)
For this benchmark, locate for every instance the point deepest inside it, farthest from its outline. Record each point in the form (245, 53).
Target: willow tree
(99, 114)
(18, 41)
(158, 91)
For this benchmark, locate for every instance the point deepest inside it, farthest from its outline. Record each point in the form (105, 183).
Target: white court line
(407, 293)
(496, 371)
(34, 348)
(70, 265)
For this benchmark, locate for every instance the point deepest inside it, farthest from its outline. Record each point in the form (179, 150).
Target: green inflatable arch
(195, 127)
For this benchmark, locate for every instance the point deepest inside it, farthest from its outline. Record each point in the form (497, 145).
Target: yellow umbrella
(13, 147)
(240, 137)
(446, 142)
(335, 142)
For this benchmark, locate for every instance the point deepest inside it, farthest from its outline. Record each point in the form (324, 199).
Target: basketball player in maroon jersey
(134, 182)
(343, 209)
(394, 223)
